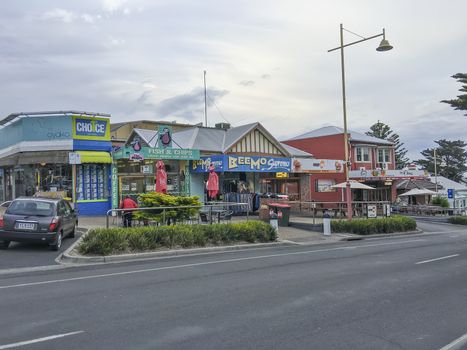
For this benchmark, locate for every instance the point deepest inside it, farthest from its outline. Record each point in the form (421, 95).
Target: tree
(460, 103)
(451, 158)
(383, 131)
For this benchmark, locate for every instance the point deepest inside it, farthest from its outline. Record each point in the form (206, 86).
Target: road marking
(456, 343)
(38, 340)
(431, 260)
(202, 264)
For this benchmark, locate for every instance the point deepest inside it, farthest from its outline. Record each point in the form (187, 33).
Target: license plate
(25, 226)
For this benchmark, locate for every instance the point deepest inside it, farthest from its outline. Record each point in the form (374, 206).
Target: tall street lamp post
(383, 46)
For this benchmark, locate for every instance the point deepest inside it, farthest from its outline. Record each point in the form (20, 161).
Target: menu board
(91, 182)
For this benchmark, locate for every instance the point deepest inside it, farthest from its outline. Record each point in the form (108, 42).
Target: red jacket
(128, 203)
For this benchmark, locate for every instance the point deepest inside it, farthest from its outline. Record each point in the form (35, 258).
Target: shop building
(372, 161)
(249, 161)
(64, 151)
(135, 163)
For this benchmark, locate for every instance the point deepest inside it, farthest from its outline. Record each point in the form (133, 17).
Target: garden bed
(392, 224)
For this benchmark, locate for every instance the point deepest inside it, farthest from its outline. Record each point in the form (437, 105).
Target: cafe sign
(382, 174)
(156, 153)
(237, 163)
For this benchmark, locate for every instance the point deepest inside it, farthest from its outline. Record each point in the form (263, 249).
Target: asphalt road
(393, 293)
(20, 255)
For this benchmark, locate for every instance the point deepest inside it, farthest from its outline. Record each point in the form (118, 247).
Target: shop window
(324, 185)
(362, 154)
(92, 182)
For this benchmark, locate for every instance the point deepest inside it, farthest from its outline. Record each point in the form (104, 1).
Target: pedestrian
(128, 203)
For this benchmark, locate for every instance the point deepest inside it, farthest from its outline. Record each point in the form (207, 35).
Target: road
(23, 255)
(385, 293)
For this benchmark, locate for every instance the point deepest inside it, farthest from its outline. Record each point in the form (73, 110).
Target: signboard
(114, 180)
(381, 174)
(164, 137)
(450, 193)
(90, 128)
(156, 153)
(237, 163)
(371, 210)
(74, 158)
(282, 175)
(303, 165)
(146, 169)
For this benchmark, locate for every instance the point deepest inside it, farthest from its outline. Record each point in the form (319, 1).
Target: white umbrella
(354, 185)
(418, 192)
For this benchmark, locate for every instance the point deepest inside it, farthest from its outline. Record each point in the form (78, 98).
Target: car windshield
(31, 207)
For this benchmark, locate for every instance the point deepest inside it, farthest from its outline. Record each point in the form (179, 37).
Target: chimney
(225, 126)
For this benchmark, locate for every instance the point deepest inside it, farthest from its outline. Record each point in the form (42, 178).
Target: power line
(215, 105)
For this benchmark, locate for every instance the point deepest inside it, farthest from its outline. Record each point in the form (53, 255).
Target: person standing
(128, 203)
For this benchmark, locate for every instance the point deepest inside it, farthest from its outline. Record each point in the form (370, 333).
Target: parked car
(45, 220)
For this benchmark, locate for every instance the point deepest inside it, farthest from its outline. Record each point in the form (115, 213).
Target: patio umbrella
(161, 177)
(418, 192)
(213, 183)
(354, 185)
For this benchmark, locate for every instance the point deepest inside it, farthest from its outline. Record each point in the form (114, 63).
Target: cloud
(247, 83)
(188, 106)
(113, 5)
(266, 76)
(59, 15)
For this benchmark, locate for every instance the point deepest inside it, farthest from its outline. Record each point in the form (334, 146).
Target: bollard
(273, 220)
(326, 224)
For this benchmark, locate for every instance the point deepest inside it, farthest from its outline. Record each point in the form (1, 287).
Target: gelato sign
(305, 165)
(236, 163)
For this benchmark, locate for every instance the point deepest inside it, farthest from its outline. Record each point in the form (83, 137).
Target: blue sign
(450, 193)
(238, 163)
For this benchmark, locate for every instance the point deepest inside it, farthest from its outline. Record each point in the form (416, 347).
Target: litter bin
(282, 211)
(326, 224)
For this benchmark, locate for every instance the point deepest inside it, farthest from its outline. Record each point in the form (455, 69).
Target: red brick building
(372, 162)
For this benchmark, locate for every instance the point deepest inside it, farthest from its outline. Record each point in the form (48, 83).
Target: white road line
(203, 263)
(38, 340)
(456, 343)
(431, 260)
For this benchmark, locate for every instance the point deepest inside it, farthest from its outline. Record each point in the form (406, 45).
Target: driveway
(31, 254)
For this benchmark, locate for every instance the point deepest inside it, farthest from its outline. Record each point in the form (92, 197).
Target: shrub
(378, 225)
(458, 220)
(138, 239)
(155, 199)
(441, 201)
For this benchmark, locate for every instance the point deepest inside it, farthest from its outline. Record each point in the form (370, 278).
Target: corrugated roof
(334, 130)
(295, 152)
(233, 135)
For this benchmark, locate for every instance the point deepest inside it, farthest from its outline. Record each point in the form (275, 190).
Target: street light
(383, 46)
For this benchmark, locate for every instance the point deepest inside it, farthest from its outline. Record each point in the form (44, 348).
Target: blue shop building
(65, 153)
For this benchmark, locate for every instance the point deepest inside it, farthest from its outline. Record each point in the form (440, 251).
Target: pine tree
(461, 102)
(451, 158)
(383, 131)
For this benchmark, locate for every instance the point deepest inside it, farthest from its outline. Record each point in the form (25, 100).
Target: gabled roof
(334, 130)
(212, 139)
(447, 183)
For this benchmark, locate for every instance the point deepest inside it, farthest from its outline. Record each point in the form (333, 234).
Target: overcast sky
(266, 61)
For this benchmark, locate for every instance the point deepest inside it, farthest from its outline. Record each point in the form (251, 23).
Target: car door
(72, 215)
(64, 216)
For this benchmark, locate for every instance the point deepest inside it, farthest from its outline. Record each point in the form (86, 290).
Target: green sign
(157, 153)
(114, 186)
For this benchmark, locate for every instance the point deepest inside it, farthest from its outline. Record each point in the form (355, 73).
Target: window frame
(361, 149)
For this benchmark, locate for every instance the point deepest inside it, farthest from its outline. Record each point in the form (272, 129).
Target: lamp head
(384, 46)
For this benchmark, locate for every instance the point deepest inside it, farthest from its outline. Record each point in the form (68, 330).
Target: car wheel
(4, 244)
(58, 243)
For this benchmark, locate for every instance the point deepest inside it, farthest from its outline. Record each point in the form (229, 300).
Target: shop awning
(94, 157)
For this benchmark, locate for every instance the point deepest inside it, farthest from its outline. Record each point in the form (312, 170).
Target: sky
(265, 61)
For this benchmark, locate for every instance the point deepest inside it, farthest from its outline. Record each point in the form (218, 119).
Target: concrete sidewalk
(302, 229)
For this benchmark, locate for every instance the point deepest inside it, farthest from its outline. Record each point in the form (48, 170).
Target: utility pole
(205, 103)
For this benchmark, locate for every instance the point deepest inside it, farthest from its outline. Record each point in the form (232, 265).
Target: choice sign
(89, 128)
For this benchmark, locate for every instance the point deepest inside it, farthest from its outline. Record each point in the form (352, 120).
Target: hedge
(458, 220)
(102, 241)
(377, 225)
